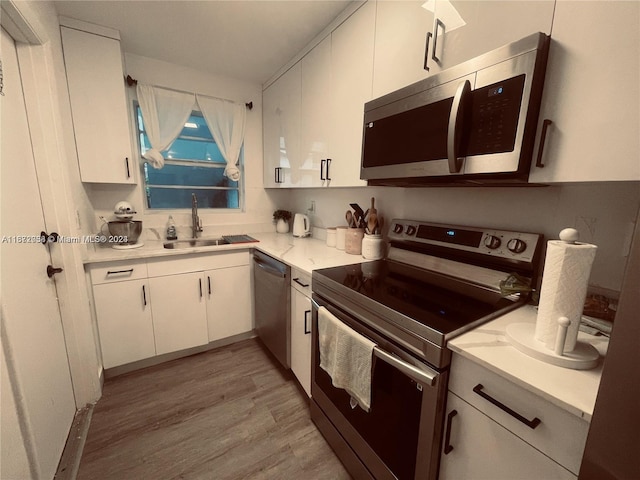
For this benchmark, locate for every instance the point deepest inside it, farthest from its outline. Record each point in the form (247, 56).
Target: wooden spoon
(372, 223)
(349, 217)
(373, 208)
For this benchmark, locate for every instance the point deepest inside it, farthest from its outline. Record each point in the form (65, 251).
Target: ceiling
(244, 39)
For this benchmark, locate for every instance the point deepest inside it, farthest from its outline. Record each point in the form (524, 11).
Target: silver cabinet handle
(426, 51)
(144, 296)
(435, 39)
(297, 280)
(126, 161)
(456, 118)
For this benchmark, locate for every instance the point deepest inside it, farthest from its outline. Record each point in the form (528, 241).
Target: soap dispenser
(171, 229)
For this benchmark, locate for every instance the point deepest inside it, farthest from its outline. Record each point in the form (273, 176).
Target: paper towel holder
(583, 357)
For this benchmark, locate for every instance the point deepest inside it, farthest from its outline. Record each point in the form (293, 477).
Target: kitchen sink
(196, 242)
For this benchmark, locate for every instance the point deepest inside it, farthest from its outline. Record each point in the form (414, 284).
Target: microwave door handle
(454, 133)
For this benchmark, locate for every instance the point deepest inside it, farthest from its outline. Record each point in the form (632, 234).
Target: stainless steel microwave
(471, 124)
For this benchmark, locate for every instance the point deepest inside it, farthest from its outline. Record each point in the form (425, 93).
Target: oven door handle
(424, 375)
(420, 375)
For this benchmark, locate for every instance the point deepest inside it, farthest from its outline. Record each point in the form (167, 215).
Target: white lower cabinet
(124, 320)
(496, 429)
(179, 312)
(228, 293)
(483, 449)
(301, 328)
(152, 307)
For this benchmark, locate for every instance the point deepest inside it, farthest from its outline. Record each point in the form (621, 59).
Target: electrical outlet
(312, 208)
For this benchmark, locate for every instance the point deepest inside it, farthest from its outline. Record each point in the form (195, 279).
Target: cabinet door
(99, 107)
(463, 29)
(400, 45)
(591, 94)
(281, 128)
(315, 115)
(228, 292)
(352, 75)
(125, 326)
(482, 449)
(179, 311)
(301, 338)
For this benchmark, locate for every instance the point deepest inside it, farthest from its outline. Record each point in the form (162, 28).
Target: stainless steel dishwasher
(273, 305)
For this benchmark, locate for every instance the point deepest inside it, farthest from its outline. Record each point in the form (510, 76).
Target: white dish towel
(346, 356)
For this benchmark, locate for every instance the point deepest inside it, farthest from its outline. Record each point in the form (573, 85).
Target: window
(193, 164)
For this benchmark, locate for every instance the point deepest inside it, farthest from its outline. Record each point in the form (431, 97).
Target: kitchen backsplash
(604, 213)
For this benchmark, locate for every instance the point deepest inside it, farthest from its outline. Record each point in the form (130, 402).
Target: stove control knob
(516, 245)
(411, 230)
(398, 228)
(492, 242)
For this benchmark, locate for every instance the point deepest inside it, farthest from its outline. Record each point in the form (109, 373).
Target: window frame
(144, 163)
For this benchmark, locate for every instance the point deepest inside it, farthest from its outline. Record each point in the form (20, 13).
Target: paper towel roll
(564, 288)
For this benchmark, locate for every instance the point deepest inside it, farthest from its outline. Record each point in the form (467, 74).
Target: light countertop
(306, 254)
(572, 390)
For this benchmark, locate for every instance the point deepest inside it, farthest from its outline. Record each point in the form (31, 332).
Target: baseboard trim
(72, 453)
(157, 360)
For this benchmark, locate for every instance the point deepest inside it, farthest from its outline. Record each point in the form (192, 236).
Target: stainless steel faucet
(196, 223)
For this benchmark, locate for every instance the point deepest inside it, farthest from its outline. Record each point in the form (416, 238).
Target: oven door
(406, 414)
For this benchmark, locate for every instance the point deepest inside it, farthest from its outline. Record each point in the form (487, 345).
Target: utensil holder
(353, 241)
(372, 247)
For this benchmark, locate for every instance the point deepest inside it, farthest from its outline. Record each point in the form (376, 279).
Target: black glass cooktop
(440, 302)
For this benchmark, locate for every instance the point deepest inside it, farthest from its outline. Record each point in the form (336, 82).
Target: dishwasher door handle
(270, 270)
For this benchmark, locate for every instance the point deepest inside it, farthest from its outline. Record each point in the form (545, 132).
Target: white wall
(259, 204)
(604, 213)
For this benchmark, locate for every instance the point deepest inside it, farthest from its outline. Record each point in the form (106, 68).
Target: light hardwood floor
(230, 413)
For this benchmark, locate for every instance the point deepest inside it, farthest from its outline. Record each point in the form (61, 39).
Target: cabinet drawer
(159, 267)
(558, 433)
(301, 281)
(118, 271)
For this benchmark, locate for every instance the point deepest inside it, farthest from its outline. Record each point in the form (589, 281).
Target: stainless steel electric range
(437, 282)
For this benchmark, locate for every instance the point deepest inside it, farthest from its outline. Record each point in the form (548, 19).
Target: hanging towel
(346, 356)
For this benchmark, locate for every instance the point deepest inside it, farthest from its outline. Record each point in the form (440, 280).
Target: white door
(38, 405)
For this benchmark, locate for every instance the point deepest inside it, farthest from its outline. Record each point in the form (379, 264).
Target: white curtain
(164, 113)
(226, 120)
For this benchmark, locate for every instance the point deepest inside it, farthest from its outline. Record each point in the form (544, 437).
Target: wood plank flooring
(230, 413)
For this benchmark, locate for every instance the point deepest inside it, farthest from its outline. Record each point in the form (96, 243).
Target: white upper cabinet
(313, 113)
(402, 32)
(464, 29)
(351, 87)
(281, 128)
(591, 94)
(316, 115)
(98, 106)
(407, 32)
